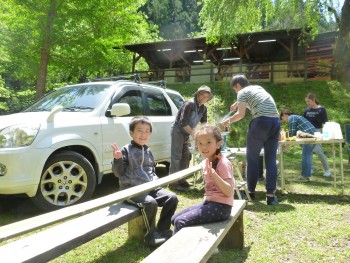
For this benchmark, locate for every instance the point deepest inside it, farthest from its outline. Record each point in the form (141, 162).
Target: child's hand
(209, 167)
(116, 152)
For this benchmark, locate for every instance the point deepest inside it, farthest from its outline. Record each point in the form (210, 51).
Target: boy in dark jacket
(134, 165)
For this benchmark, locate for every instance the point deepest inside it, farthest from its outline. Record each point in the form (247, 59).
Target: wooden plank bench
(197, 243)
(53, 242)
(37, 222)
(95, 218)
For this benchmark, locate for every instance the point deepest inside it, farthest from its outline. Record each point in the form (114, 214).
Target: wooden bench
(53, 242)
(95, 218)
(197, 243)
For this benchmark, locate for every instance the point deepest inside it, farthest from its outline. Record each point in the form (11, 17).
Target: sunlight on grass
(311, 224)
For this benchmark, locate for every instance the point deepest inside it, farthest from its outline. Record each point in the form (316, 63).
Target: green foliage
(78, 35)
(176, 19)
(4, 96)
(224, 19)
(19, 100)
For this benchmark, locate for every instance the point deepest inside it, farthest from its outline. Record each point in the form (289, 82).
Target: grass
(311, 224)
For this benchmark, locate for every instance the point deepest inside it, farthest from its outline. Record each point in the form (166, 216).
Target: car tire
(68, 178)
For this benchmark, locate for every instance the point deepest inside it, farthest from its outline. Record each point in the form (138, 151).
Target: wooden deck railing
(273, 72)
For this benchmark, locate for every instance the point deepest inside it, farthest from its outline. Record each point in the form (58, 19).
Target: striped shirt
(299, 123)
(258, 101)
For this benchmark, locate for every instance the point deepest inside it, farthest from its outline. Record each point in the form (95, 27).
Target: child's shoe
(154, 239)
(166, 233)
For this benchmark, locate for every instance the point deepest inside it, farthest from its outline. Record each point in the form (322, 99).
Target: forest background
(47, 44)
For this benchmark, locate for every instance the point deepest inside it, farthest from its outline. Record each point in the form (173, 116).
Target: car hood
(23, 117)
(60, 118)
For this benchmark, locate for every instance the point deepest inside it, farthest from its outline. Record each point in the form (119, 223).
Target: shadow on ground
(14, 207)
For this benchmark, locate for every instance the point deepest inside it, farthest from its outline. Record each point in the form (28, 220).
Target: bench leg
(137, 228)
(235, 236)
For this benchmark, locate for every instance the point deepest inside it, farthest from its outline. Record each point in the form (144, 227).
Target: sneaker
(166, 233)
(271, 200)
(302, 179)
(154, 240)
(327, 173)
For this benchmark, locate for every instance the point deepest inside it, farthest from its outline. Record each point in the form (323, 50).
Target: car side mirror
(120, 109)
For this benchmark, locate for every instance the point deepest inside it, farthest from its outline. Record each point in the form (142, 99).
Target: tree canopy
(222, 20)
(176, 19)
(59, 40)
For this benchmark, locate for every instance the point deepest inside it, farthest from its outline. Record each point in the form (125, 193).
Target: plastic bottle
(283, 135)
(224, 139)
(326, 131)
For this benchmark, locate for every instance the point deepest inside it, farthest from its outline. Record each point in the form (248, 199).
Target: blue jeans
(318, 150)
(306, 159)
(263, 133)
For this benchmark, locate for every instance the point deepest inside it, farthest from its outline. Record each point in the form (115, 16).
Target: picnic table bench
(65, 229)
(197, 243)
(84, 222)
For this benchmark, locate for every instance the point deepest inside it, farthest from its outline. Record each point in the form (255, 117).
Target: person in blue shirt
(299, 123)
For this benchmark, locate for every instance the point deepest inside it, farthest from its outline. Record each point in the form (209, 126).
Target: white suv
(58, 149)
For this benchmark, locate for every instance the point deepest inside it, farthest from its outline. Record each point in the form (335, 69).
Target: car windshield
(73, 98)
(177, 99)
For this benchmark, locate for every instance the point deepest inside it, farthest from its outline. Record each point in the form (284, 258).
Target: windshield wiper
(38, 110)
(78, 108)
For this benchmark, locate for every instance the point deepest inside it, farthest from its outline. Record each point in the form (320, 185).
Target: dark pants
(202, 213)
(180, 152)
(261, 168)
(149, 203)
(263, 133)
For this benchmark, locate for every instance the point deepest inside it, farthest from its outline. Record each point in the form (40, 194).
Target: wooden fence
(274, 72)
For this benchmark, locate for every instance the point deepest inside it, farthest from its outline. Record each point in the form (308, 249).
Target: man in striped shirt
(263, 132)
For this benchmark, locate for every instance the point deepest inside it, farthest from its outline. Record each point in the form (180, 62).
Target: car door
(161, 114)
(116, 129)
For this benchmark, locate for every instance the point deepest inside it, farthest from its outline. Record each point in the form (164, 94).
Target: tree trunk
(342, 49)
(45, 51)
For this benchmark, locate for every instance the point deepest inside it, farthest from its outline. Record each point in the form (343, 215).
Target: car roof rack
(135, 77)
(162, 83)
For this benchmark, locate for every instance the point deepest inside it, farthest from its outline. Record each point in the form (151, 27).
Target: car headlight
(18, 135)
